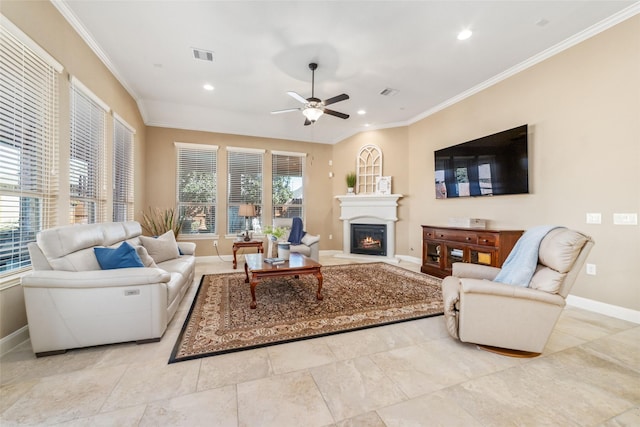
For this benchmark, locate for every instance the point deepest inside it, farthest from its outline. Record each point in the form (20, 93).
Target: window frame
(301, 159)
(235, 200)
(88, 147)
(36, 82)
(123, 182)
(201, 150)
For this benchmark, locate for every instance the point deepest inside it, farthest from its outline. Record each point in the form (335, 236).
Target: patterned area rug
(356, 296)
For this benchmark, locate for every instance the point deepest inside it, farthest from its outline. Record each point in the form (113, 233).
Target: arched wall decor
(369, 169)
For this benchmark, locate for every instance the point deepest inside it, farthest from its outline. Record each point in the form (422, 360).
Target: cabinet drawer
(487, 239)
(428, 233)
(456, 236)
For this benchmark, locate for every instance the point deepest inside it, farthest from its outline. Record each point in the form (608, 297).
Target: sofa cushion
(162, 248)
(182, 265)
(145, 257)
(301, 249)
(547, 279)
(310, 239)
(124, 256)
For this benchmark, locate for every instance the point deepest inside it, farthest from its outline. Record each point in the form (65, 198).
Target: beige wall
(44, 25)
(395, 163)
(161, 176)
(583, 109)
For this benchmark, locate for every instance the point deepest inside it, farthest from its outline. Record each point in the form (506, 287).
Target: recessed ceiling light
(208, 87)
(362, 112)
(464, 34)
(367, 125)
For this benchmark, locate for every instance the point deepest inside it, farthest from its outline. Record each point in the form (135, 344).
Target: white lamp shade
(247, 210)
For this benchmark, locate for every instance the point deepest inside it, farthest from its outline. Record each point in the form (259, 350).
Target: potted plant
(158, 221)
(351, 182)
(276, 233)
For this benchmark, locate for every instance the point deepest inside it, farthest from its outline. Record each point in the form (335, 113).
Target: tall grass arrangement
(157, 221)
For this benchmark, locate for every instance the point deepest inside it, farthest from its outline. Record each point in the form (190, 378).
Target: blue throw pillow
(123, 257)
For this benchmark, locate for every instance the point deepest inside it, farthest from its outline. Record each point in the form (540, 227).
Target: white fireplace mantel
(369, 209)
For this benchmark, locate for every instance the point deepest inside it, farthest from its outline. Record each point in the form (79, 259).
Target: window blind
(28, 148)
(197, 187)
(244, 168)
(287, 175)
(87, 173)
(122, 170)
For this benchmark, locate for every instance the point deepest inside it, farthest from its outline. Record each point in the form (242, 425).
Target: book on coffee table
(274, 261)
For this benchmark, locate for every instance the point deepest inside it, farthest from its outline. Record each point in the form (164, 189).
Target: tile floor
(408, 374)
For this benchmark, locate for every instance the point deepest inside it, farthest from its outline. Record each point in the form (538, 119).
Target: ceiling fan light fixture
(312, 113)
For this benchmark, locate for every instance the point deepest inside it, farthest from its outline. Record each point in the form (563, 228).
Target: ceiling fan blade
(307, 122)
(336, 113)
(298, 97)
(335, 99)
(288, 110)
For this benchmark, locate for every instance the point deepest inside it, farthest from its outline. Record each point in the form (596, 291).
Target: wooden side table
(242, 244)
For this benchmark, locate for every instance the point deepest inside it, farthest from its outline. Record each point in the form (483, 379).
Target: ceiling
(262, 49)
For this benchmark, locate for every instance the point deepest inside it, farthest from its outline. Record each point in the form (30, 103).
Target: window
(244, 167)
(369, 168)
(287, 175)
(122, 170)
(197, 187)
(28, 144)
(87, 156)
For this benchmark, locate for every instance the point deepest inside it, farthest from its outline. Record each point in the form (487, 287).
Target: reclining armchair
(510, 319)
(310, 245)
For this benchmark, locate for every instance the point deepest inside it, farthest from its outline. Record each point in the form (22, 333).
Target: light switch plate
(594, 218)
(625, 218)
(591, 269)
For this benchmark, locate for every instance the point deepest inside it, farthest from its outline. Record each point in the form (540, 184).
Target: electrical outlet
(591, 269)
(215, 243)
(330, 236)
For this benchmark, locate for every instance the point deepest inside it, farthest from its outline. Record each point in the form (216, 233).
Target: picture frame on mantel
(383, 185)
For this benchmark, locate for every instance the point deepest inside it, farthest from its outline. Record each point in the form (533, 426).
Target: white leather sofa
(71, 302)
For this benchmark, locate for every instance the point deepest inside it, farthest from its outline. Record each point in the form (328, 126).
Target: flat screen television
(489, 166)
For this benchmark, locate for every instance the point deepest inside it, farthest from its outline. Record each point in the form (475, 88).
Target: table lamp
(246, 211)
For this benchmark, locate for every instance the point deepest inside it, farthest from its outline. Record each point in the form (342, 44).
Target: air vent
(388, 92)
(205, 55)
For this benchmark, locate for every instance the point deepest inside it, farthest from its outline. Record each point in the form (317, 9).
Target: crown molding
(595, 29)
(75, 23)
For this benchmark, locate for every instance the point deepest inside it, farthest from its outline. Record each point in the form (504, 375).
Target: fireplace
(378, 210)
(369, 239)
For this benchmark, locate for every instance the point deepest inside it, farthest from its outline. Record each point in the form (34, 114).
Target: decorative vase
(284, 250)
(349, 190)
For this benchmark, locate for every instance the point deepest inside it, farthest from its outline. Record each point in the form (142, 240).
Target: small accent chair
(508, 319)
(310, 246)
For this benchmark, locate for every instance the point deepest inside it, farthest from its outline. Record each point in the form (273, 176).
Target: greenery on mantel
(351, 180)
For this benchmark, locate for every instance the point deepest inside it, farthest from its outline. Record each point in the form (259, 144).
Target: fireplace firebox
(369, 239)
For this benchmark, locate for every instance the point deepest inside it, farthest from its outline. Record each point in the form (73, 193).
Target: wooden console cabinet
(442, 246)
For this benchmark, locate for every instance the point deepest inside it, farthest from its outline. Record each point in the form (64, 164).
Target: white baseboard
(411, 259)
(604, 308)
(14, 339)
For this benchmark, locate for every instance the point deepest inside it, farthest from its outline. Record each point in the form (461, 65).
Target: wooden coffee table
(298, 264)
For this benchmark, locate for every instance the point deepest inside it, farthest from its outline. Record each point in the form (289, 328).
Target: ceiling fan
(314, 107)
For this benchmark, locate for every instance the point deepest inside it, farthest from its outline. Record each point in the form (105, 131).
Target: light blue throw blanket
(521, 263)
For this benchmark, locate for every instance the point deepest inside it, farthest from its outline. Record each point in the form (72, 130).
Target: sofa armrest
(476, 286)
(95, 278)
(474, 271)
(187, 248)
